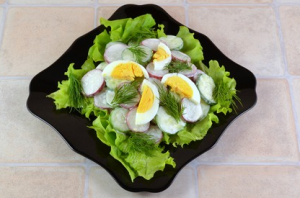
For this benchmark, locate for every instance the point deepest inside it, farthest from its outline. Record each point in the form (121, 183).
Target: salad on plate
(143, 89)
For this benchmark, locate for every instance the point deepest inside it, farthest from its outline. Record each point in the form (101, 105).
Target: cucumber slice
(129, 54)
(112, 83)
(206, 87)
(167, 123)
(118, 119)
(205, 109)
(110, 94)
(173, 42)
(102, 65)
(114, 52)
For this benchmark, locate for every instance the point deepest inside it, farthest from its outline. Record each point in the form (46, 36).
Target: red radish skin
(190, 73)
(130, 120)
(155, 132)
(152, 43)
(114, 52)
(197, 74)
(180, 56)
(92, 83)
(192, 112)
(155, 74)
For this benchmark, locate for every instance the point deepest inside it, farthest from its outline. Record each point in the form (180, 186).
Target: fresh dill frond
(139, 53)
(177, 66)
(141, 34)
(223, 93)
(141, 142)
(170, 102)
(76, 98)
(126, 93)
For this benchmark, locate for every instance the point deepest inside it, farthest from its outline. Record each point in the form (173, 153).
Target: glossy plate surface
(82, 140)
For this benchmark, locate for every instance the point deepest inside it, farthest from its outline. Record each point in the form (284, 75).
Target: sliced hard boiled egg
(149, 103)
(161, 57)
(124, 70)
(182, 85)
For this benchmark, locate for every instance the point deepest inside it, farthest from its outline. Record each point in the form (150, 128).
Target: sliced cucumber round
(132, 53)
(205, 109)
(110, 94)
(167, 123)
(102, 65)
(118, 119)
(173, 42)
(206, 87)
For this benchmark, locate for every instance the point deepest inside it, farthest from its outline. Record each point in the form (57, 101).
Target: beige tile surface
(288, 1)
(177, 12)
(247, 35)
(230, 1)
(139, 1)
(101, 184)
(34, 37)
(23, 137)
(249, 181)
(290, 17)
(50, 1)
(264, 134)
(296, 91)
(36, 182)
(2, 1)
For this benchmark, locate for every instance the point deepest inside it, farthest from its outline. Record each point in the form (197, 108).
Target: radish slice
(155, 133)
(130, 119)
(191, 111)
(100, 100)
(151, 43)
(190, 73)
(178, 55)
(134, 103)
(197, 74)
(158, 74)
(114, 52)
(112, 43)
(92, 82)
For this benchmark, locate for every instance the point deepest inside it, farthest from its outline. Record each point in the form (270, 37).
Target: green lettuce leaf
(136, 163)
(191, 46)
(124, 29)
(192, 132)
(160, 31)
(62, 98)
(225, 91)
(96, 51)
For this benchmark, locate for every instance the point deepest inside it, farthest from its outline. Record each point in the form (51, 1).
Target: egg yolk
(127, 71)
(160, 54)
(179, 86)
(146, 101)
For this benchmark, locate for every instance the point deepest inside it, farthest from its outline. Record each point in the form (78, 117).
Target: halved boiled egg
(124, 70)
(182, 85)
(121, 71)
(161, 57)
(149, 103)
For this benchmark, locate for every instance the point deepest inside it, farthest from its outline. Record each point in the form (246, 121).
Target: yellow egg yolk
(127, 71)
(146, 101)
(160, 54)
(179, 86)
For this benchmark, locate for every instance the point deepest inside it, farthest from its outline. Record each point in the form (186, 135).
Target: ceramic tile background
(258, 156)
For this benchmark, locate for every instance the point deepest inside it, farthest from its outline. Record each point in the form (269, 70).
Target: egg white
(160, 64)
(143, 118)
(196, 94)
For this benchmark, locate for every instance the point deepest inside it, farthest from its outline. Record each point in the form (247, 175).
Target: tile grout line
(289, 77)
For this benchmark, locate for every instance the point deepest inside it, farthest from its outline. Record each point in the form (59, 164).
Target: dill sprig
(125, 93)
(141, 34)
(139, 53)
(226, 95)
(76, 98)
(177, 66)
(170, 102)
(141, 142)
